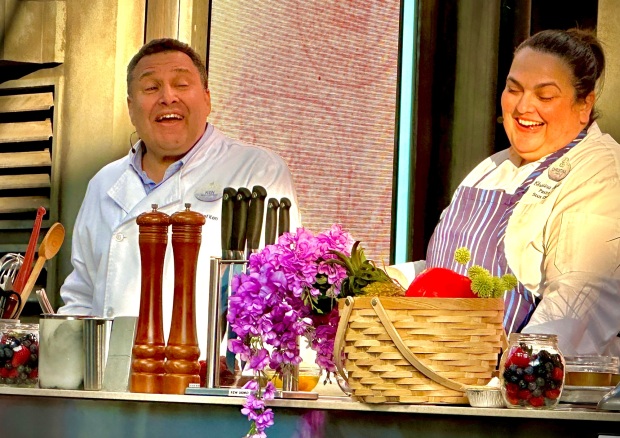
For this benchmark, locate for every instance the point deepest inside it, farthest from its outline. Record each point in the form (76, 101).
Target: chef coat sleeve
(581, 275)
(78, 288)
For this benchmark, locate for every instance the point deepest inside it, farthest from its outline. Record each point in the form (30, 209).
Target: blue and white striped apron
(477, 220)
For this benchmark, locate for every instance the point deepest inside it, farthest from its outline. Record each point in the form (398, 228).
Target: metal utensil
(9, 267)
(44, 302)
(24, 271)
(50, 245)
(611, 400)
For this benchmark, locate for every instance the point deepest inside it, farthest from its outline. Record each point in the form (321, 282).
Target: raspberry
(537, 401)
(512, 389)
(524, 394)
(552, 394)
(557, 374)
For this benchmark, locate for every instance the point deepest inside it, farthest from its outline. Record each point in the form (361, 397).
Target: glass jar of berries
(532, 371)
(19, 353)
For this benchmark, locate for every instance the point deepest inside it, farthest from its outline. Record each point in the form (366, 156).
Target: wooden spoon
(49, 247)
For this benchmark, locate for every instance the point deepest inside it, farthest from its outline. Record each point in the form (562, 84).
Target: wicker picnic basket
(417, 350)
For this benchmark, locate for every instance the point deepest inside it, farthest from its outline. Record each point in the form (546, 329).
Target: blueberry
(513, 378)
(529, 370)
(522, 384)
(8, 353)
(33, 357)
(34, 348)
(540, 382)
(537, 392)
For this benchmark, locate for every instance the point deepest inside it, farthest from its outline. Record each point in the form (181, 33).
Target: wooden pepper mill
(148, 353)
(182, 351)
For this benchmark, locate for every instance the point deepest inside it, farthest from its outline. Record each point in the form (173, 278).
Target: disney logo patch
(209, 193)
(558, 171)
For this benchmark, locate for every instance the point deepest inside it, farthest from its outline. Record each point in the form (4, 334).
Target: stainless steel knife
(239, 223)
(255, 218)
(271, 221)
(284, 219)
(228, 201)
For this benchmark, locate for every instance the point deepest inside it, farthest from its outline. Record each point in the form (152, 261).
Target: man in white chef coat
(180, 158)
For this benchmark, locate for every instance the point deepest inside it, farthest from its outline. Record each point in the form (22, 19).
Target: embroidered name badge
(210, 192)
(559, 170)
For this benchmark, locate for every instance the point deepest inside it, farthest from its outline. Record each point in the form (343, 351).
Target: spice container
(532, 371)
(591, 370)
(19, 353)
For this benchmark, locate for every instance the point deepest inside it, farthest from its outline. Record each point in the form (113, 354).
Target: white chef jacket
(563, 241)
(106, 279)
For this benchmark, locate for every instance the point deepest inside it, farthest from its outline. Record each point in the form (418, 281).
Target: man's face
(168, 103)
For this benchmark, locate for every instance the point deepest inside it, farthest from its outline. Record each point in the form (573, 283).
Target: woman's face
(538, 105)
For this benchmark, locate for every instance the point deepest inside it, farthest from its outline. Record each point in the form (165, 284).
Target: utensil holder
(219, 330)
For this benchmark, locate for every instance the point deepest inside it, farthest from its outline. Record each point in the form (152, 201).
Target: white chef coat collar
(136, 161)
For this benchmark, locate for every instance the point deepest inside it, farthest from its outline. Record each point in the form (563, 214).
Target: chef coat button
(109, 312)
(119, 237)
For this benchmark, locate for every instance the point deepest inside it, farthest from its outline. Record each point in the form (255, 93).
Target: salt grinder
(182, 351)
(148, 353)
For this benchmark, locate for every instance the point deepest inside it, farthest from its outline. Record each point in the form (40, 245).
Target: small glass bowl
(590, 370)
(19, 354)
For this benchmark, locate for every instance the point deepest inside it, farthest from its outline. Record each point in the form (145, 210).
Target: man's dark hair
(166, 45)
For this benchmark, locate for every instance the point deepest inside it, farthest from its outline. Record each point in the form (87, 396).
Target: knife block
(182, 352)
(148, 356)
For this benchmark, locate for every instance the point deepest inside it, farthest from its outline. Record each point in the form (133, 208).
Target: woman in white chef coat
(548, 208)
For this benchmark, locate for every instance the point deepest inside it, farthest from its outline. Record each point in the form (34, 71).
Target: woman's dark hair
(166, 45)
(580, 50)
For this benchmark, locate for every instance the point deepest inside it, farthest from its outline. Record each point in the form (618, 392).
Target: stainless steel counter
(59, 413)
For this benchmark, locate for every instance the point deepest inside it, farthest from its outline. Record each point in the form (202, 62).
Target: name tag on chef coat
(209, 192)
(545, 184)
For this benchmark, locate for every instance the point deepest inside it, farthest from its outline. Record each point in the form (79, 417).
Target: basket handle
(407, 354)
(342, 328)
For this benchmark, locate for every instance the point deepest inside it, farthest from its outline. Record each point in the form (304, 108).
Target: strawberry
(442, 283)
(20, 356)
(537, 401)
(519, 357)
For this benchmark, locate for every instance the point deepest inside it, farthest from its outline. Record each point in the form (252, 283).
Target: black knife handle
(228, 202)
(255, 217)
(284, 219)
(271, 221)
(240, 219)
